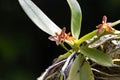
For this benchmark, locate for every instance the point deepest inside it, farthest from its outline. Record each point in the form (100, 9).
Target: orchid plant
(79, 62)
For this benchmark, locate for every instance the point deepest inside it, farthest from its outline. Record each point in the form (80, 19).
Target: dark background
(25, 51)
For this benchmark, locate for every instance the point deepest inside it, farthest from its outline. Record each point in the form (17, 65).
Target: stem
(115, 23)
(62, 44)
(86, 37)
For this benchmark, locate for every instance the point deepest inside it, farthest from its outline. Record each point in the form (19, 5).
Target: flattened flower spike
(61, 37)
(105, 26)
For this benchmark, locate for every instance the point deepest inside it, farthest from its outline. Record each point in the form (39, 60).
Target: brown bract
(61, 37)
(105, 26)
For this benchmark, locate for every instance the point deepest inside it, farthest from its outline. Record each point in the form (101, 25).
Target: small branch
(64, 47)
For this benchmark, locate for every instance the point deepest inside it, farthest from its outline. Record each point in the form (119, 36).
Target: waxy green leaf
(97, 56)
(76, 18)
(39, 18)
(74, 73)
(86, 72)
(80, 69)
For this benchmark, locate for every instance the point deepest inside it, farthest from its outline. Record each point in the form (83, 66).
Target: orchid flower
(105, 26)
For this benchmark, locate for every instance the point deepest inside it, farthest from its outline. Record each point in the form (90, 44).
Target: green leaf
(86, 37)
(97, 56)
(74, 73)
(76, 18)
(80, 69)
(86, 72)
(38, 17)
(61, 77)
